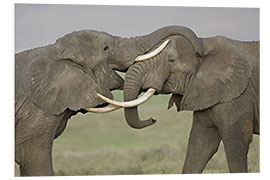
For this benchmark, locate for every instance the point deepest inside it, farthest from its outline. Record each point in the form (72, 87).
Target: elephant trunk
(127, 49)
(149, 41)
(132, 88)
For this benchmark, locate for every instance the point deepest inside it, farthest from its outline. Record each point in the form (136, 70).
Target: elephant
(217, 78)
(53, 83)
(57, 81)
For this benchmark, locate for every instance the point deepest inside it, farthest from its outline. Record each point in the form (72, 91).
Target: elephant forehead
(171, 50)
(83, 39)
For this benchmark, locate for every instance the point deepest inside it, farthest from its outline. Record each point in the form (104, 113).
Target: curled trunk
(132, 89)
(127, 49)
(149, 41)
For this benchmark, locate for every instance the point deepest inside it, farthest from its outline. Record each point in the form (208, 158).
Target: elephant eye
(171, 60)
(106, 48)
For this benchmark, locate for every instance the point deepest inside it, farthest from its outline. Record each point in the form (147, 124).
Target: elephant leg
(203, 143)
(34, 154)
(38, 163)
(236, 138)
(34, 136)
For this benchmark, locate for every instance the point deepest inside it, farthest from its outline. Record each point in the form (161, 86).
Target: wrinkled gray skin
(221, 86)
(56, 81)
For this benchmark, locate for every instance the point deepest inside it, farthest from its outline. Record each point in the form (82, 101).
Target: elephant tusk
(150, 92)
(152, 53)
(106, 109)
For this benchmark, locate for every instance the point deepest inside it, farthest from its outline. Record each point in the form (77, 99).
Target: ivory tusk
(150, 92)
(152, 53)
(109, 108)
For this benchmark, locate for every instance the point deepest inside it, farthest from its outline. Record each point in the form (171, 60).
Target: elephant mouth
(102, 105)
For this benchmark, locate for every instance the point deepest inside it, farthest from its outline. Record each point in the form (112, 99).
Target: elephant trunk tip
(142, 124)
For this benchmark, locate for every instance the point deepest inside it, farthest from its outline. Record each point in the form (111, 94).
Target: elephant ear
(57, 84)
(222, 75)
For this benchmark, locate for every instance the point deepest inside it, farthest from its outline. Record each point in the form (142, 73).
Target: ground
(102, 144)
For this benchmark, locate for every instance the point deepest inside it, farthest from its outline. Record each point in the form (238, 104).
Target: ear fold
(55, 85)
(222, 75)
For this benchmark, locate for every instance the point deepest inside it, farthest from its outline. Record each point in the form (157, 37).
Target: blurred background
(104, 143)
(37, 25)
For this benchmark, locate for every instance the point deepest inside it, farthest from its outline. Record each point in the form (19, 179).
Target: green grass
(103, 144)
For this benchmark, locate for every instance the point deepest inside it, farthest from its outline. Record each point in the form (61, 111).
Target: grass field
(103, 144)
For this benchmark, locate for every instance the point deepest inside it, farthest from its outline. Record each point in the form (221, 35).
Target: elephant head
(69, 73)
(198, 72)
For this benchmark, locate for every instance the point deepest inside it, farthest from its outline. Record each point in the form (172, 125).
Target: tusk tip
(165, 42)
(138, 58)
(100, 96)
(144, 57)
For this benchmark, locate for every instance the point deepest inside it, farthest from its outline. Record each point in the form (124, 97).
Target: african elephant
(55, 82)
(217, 78)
